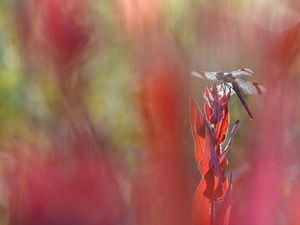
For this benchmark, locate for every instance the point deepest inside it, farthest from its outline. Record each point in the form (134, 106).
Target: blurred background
(94, 109)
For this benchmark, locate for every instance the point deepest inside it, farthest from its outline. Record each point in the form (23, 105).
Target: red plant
(55, 34)
(211, 204)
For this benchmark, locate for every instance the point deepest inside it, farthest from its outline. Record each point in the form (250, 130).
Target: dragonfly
(228, 81)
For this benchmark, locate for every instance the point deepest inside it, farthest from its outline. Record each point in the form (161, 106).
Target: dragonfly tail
(241, 98)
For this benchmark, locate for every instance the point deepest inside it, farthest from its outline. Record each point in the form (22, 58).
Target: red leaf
(210, 160)
(202, 203)
(205, 162)
(215, 164)
(198, 124)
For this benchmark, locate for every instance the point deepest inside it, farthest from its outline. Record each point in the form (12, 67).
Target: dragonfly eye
(220, 75)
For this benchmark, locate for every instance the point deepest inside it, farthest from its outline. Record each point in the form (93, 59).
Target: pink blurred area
(100, 63)
(49, 189)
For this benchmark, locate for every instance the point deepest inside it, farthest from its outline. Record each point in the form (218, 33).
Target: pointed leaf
(223, 156)
(234, 129)
(198, 124)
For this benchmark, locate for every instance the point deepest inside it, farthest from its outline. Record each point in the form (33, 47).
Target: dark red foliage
(67, 27)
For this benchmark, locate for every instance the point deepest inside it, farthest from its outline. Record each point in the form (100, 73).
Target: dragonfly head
(220, 75)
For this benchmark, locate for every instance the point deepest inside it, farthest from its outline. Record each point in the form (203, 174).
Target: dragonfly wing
(242, 72)
(196, 74)
(251, 88)
(225, 89)
(205, 75)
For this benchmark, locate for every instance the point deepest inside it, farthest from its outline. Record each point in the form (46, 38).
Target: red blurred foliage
(209, 133)
(67, 27)
(50, 189)
(161, 188)
(54, 33)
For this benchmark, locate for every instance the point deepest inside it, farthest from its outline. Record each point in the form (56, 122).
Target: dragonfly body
(230, 81)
